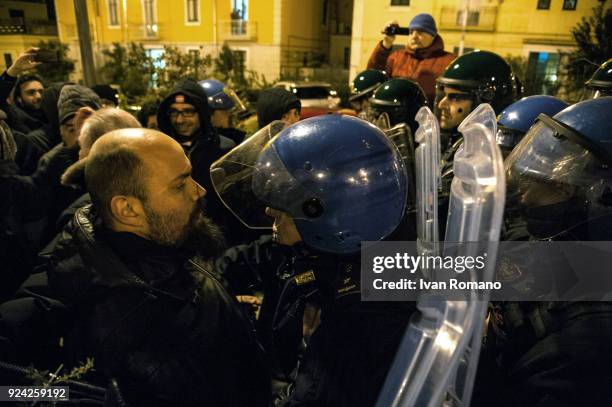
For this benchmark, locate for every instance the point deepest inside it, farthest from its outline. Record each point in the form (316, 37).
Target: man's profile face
(68, 132)
(419, 39)
(454, 107)
(174, 207)
(221, 119)
(184, 118)
(31, 94)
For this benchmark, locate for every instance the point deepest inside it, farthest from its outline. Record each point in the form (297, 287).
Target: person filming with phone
(423, 59)
(24, 112)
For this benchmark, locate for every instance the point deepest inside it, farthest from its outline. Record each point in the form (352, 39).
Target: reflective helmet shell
(485, 74)
(217, 98)
(401, 98)
(366, 82)
(590, 120)
(347, 181)
(522, 114)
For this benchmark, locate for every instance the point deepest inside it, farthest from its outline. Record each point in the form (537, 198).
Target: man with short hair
(24, 113)
(423, 60)
(94, 125)
(150, 313)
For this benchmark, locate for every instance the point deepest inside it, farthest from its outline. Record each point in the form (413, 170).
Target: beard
(200, 235)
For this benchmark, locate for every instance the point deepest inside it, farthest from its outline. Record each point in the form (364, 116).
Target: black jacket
(350, 353)
(19, 118)
(155, 319)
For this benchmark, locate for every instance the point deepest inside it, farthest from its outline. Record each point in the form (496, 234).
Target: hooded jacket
(273, 103)
(204, 147)
(20, 118)
(423, 65)
(154, 318)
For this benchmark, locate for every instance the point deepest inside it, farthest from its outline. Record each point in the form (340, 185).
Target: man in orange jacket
(423, 60)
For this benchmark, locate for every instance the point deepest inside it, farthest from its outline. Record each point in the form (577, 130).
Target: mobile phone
(394, 29)
(47, 56)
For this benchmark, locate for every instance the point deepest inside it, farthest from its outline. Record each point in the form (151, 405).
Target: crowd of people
(201, 265)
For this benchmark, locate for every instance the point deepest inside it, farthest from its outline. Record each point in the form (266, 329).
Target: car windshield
(312, 92)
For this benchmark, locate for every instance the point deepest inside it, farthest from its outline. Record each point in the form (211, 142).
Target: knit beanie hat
(424, 22)
(74, 97)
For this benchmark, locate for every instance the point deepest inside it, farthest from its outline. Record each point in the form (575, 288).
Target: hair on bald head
(104, 121)
(112, 170)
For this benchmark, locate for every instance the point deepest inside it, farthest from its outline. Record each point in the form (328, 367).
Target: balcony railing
(481, 19)
(238, 30)
(20, 26)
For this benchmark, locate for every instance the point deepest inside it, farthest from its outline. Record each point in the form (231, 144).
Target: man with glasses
(423, 60)
(185, 116)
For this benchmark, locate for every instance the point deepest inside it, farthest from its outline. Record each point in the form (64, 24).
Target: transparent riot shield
(427, 181)
(436, 361)
(402, 137)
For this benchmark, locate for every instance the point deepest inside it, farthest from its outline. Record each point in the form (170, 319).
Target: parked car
(317, 97)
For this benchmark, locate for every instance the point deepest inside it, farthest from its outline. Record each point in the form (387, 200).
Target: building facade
(23, 24)
(538, 30)
(275, 38)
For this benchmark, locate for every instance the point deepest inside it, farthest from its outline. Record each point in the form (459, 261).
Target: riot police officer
(397, 101)
(363, 87)
(471, 79)
(559, 181)
(514, 121)
(224, 104)
(322, 181)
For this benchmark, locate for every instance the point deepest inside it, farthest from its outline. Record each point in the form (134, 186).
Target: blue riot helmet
(220, 96)
(559, 176)
(515, 120)
(339, 177)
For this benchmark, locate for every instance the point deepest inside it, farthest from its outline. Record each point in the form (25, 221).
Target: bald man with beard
(134, 265)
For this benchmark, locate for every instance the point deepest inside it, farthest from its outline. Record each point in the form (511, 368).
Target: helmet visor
(507, 139)
(551, 179)
(252, 177)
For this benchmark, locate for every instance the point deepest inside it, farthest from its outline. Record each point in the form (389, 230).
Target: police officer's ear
(128, 211)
